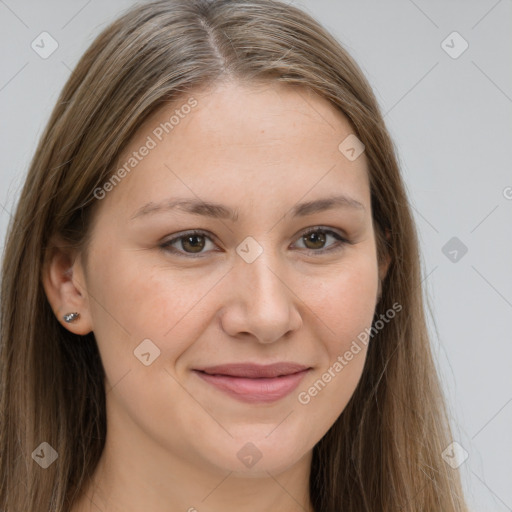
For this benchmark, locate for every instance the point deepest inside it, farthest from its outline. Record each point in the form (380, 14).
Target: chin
(260, 453)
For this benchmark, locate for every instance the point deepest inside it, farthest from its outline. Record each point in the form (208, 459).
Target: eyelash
(167, 246)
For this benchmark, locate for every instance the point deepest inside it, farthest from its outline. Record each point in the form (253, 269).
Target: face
(218, 323)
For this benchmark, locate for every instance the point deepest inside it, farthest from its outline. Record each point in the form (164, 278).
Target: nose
(260, 302)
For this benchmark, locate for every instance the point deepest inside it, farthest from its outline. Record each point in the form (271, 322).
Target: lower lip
(255, 390)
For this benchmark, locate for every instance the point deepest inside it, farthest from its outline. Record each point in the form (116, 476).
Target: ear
(384, 266)
(64, 283)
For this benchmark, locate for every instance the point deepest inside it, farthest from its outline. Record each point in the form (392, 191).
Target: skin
(173, 439)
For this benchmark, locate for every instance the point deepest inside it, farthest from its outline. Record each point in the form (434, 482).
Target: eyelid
(167, 247)
(327, 230)
(341, 241)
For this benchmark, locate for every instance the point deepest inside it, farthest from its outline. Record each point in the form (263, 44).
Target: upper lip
(254, 371)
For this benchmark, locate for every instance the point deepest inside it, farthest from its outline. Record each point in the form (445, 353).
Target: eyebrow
(220, 211)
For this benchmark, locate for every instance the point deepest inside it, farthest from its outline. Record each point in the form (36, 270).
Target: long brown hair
(384, 451)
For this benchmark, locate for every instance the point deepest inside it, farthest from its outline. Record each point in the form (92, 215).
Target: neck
(134, 473)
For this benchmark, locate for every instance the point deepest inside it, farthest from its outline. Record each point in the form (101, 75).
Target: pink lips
(255, 383)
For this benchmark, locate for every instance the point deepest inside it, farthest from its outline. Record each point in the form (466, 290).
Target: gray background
(451, 121)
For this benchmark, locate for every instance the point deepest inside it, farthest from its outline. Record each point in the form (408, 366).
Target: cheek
(345, 302)
(134, 301)
(346, 306)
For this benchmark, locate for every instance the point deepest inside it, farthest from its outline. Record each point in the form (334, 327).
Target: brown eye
(188, 244)
(193, 243)
(316, 238)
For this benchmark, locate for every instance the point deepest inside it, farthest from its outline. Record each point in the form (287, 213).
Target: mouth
(254, 383)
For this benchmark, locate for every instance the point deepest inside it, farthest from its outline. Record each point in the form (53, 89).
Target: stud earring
(71, 317)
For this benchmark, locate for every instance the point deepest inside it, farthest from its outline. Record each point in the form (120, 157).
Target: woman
(211, 290)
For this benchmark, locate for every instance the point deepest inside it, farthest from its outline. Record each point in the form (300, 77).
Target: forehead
(260, 142)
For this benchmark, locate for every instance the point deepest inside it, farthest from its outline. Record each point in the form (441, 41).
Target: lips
(254, 383)
(254, 371)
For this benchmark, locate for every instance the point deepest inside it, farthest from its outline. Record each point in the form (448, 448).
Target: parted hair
(383, 453)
